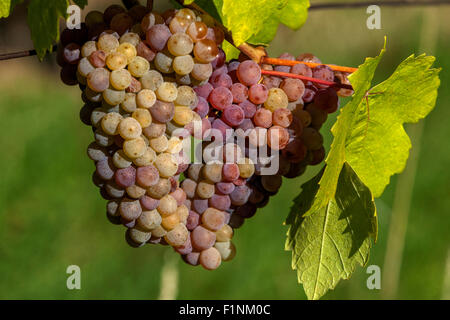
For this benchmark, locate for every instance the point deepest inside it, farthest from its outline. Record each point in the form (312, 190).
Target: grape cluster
(152, 81)
(136, 69)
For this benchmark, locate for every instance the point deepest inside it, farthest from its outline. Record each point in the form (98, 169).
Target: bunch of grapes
(152, 81)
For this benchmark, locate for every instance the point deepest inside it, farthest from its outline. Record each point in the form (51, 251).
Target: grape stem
(297, 76)
(285, 62)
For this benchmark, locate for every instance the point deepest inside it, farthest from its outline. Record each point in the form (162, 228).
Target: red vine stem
(284, 62)
(297, 76)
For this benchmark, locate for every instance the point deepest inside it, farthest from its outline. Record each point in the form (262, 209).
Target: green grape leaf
(328, 244)
(7, 6)
(378, 146)
(43, 20)
(81, 3)
(230, 51)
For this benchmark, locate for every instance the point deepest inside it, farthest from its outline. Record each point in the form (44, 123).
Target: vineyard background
(51, 215)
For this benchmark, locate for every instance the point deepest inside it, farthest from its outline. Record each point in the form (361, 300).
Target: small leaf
(43, 20)
(230, 51)
(294, 14)
(328, 244)
(378, 145)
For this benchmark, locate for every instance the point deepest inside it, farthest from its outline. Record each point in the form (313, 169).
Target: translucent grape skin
(205, 50)
(220, 98)
(233, 115)
(202, 238)
(258, 93)
(157, 37)
(125, 177)
(240, 92)
(263, 118)
(249, 72)
(162, 111)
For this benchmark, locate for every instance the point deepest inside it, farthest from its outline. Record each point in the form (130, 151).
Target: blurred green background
(51, 215)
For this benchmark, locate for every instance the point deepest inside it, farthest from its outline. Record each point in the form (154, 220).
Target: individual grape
(125, 177)
(230, 172)
(219, 202)
(160, 189)
(192, 258)
(227, 250)
(185, 248)
(312, 138)
(201, 71)
(129, 129)
(93, 17)
(323, 72)
(121, 23)
(159, 232)
(210, 259)
(186, 97)
(240, 195)
(220, 59)
(113, 97)
(148, 220)
(152, 80)
(134, 148)
(135, 192)
(249, 73)
(167, 92)
(183, 115)
(146, 98)
(294, 88)
(205, 50)
(164, 62)
(212, 172)
(192, 220)
(205, 190)
(221, 98)
(85, 67)
(68, 75)
(102, 138)
(246, 168)
(128, 50)
(327, 100)
(271, 82)
(304, 116)
(178, 24)
(112, 208)
(202, 107)
(221, 80)
(166, 165)
(155, 130)
(157, 36)
(248, 108)
(202, 238)
(199, 205)
(143, 116)
(146, 159)
(301, 69)
(308, 57)
(276, 99)
(170, 222)
(177, 236)
(97, 59)
(189, 186)
(263, 118)
(167, 206)
(179, 195)
(162, 111)
(159, 144)
(119, 79)
(233, 115)
(142, 50)
(317, 156)
(96, 117)
(239, 92)
(318, 116)
(108, 43)
(197, 31)
(232, 153)
(282, 118)
(149, 203)
(138, 67)
(295, 151)
(183, 65)
(96, 152)
(111, 12)
(183, 80)
(180, 44)
(215, 34)
(130, 209)
(186, 14)
(174, 146)
(224, 234)
(150, 20)
(110, 123)
(310, 93)
(130, 38)
(277, 138)
(258, 93)
(271, 183)
(147, 176)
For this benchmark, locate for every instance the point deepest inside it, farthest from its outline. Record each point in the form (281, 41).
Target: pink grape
(157, 36)
(239, 92)
(220, 202)
(221, 98)
(249, 109)
(258, 93)
(230, 172)
(148, 203)
(147, 176)
(204, 90)
(263, 118)
(249, 72)
(233, 115)
(224, 187)
(125, 177)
